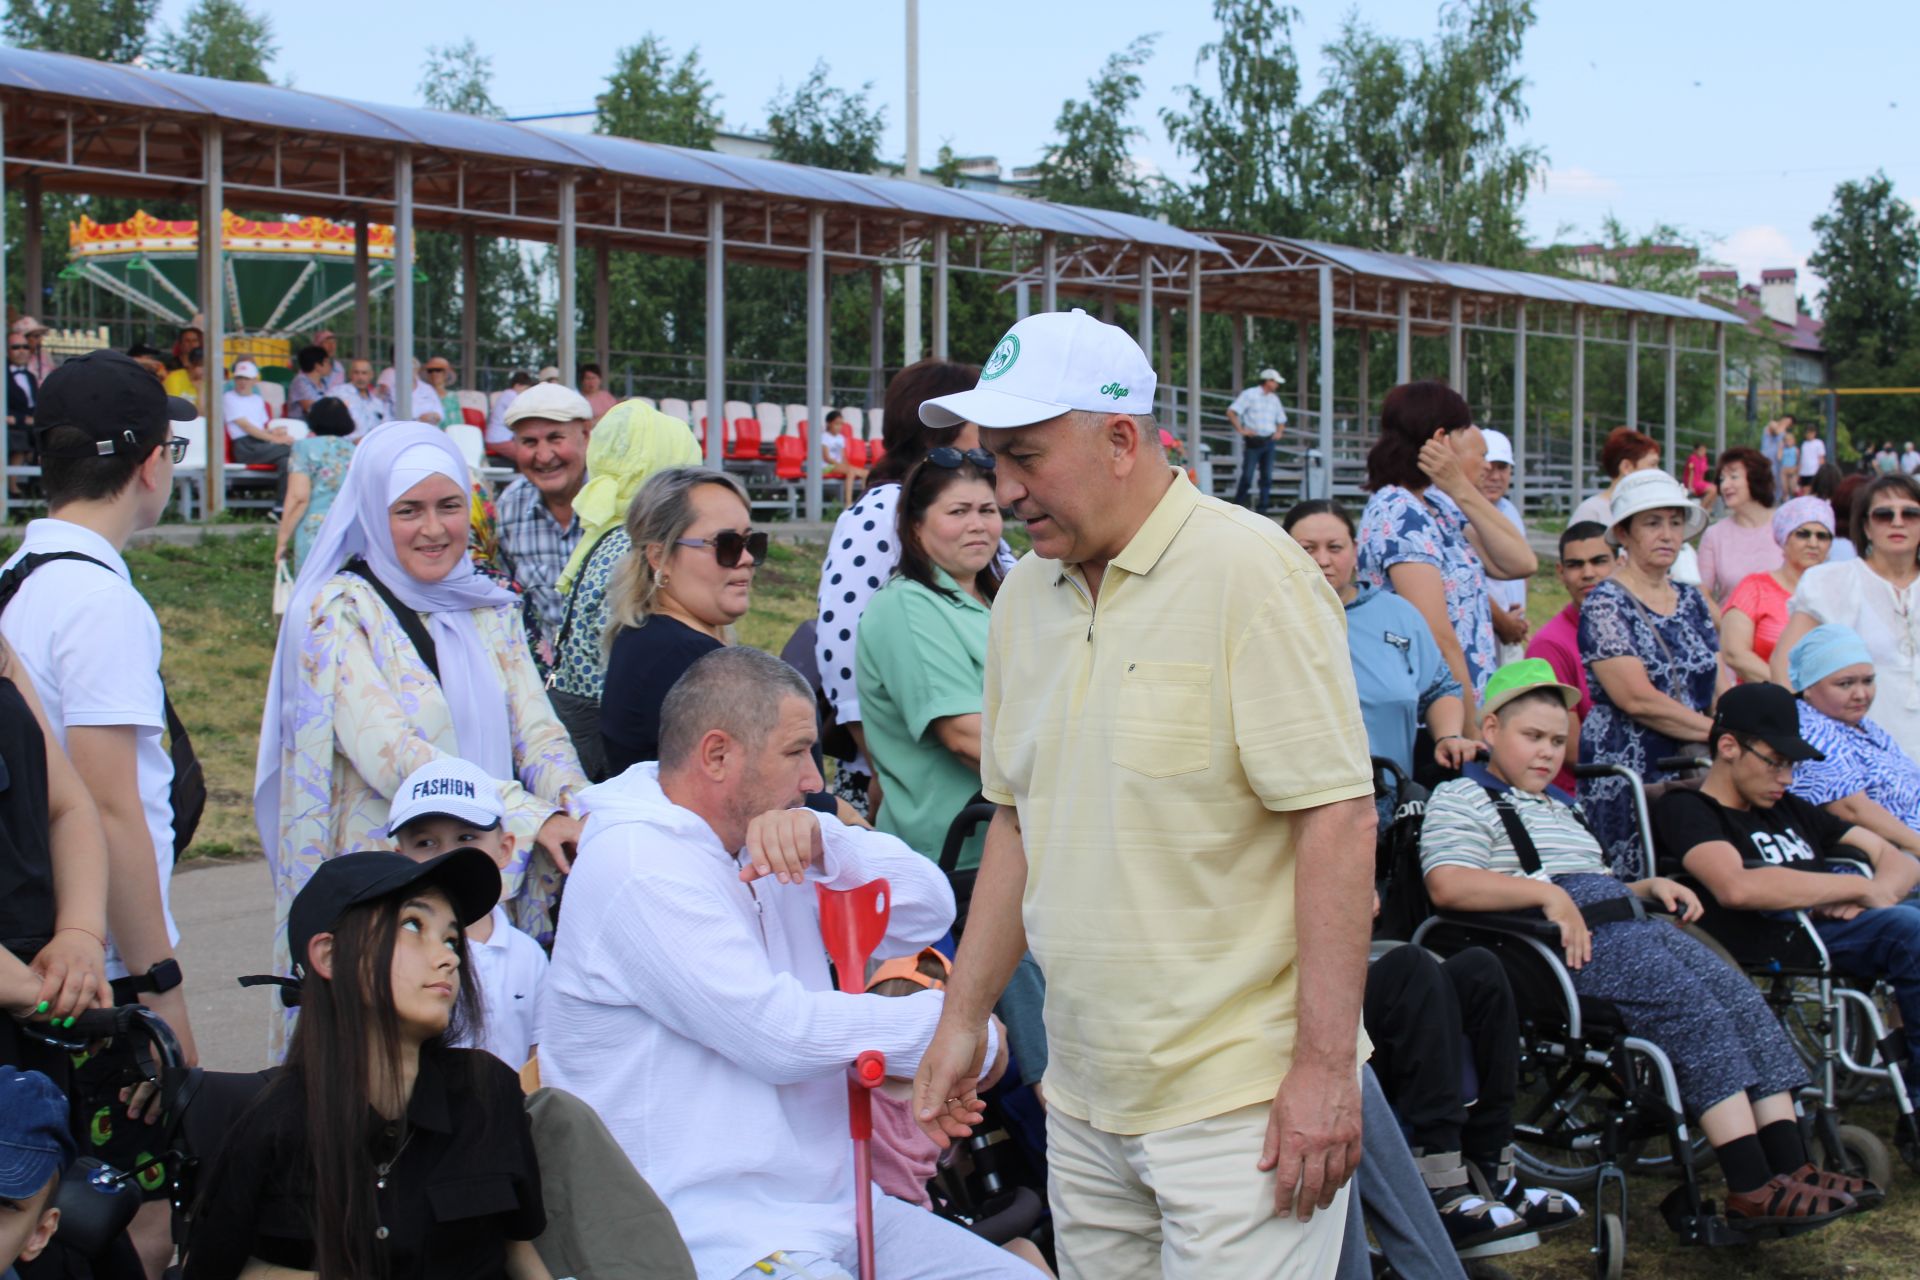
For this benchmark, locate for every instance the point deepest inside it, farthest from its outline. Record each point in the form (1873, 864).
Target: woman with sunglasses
(1756, 611)
(1878, 597)
(674, 597)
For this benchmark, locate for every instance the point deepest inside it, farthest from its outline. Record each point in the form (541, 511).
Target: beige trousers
(1184, 1204)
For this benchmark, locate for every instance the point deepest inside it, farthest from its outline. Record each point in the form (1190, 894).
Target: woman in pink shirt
(1742, 544)
(1756, 611)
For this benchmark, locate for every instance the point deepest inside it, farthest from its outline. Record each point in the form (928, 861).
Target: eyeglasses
(949, 458)
(18, 346)
(1887, 515)
(1812, 534)
(177, 447)
(1780, 768)
(728, 544)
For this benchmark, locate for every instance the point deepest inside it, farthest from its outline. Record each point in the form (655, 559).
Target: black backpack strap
(1523, 846)
(189, 793)
(408, 619)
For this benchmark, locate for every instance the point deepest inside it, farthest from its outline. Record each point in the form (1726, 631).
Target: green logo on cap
(1002, 358)
(1115, 390)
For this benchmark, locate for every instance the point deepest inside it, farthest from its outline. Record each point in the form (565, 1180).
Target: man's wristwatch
(163, 977)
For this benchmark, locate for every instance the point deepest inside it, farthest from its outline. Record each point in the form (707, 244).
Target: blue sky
(1733, 122)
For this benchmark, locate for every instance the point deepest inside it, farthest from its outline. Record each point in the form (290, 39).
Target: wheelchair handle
(978, 810)
(1681, 763)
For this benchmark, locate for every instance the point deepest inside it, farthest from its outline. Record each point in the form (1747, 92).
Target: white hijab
(390, 460)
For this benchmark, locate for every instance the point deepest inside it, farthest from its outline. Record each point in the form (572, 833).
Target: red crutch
(852, 923)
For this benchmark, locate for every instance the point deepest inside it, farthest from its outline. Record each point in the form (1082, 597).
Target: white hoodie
(696, 1015)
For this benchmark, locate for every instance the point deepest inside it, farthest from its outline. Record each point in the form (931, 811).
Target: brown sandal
(1782, 1200)
(1864, 1193)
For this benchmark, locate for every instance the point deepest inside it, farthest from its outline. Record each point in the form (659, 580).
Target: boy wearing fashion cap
(1757, 847)
(92, 646)
(1259, 418)
(1171, 732)
(450, 803)
(36, 1146)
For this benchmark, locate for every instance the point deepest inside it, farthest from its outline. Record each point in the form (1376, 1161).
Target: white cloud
(1577, 184)
(1751, 250)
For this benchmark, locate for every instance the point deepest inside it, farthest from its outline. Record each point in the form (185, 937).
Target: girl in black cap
(378, 1150)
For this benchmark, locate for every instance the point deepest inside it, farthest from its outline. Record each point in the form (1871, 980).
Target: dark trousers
(1256, 451)
(1882, 943)
(1425, 1017)
(254, 450)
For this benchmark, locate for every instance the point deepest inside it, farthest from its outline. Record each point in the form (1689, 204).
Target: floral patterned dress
(366, 713)
(1400, 526)
(1681, 652)
(324, 461)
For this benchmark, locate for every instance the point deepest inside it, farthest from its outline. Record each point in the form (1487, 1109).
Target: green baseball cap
(1524, 676)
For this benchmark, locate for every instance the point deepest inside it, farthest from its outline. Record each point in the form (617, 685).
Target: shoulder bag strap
(573, 596)
(408, 619)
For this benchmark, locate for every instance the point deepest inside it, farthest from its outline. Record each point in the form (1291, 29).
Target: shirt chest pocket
(1163, 719)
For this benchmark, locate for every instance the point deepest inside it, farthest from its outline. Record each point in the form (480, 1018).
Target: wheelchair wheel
(1801, 1020)
(1610, 1250)
(1861, 1154)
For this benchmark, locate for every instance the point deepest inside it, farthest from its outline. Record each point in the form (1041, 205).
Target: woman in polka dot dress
(865, 547)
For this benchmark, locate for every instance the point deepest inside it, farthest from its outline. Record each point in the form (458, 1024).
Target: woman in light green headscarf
(627, 446)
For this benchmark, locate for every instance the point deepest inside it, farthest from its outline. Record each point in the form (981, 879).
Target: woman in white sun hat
(1652, 655)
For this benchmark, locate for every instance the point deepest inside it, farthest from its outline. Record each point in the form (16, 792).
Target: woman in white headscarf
(394, 651)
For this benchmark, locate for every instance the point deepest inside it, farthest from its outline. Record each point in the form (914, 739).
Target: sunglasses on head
(949, 458)
(728, 544)
(1885, 515)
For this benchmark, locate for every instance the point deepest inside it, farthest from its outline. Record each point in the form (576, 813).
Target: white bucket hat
(1652, 490)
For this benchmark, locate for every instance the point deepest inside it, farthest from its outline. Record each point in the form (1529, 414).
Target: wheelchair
(1594, 1101)
(1833, 1018)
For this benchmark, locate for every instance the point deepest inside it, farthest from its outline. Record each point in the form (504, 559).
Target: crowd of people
(544, 837)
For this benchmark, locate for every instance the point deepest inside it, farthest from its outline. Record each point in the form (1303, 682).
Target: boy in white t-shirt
(451, 803)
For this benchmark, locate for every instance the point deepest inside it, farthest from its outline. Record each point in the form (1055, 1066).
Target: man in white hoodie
(690, 1003)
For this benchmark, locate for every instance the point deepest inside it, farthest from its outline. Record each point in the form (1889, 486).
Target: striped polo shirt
(1463, 829)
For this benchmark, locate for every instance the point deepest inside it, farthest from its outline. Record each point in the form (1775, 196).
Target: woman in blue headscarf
(394, 651)
(1866, 778)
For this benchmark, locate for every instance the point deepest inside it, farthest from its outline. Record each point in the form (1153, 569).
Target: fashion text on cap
(447, 787)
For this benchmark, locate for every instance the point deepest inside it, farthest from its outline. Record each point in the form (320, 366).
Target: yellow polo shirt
(1157, 748)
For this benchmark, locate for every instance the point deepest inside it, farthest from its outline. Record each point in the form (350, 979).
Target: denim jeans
(1256, 451)
(1882, 943)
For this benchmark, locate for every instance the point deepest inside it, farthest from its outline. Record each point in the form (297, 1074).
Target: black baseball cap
(114, 399)
(1767, 712)
(468, 877)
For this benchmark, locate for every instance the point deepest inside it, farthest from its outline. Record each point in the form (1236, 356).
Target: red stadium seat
(746, 440)
(790, 458)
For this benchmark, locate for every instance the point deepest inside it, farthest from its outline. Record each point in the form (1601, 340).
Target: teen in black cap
(378, 1150)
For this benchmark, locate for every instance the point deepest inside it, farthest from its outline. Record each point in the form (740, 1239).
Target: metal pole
(1165, 365)
(1193, 361)
(1403, 360)
(876, 339)
(1145, 325)
(1520, 407)
(1719, 391)
(716, 332)
(1326, 372)
(603, 306)
(1049, 275)
(910, 294)
(816, 356)
(1671, 406)
(362, 289)
(1022, 300)
(569, 318)
(1365, 380)
(213, 270)
(33, 296)
(1456, 347)
(940, 351)
(1239, 367)
(1633, 374)
(403, 283)
(469, 309)
(1302, 367)
(1578, 482)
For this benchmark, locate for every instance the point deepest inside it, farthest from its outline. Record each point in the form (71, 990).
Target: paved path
(225, 914)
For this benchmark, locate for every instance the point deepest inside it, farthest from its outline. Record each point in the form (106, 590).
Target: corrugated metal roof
(272, 106)
(1515, 284)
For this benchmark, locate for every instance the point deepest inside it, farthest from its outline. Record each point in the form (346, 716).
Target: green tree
(649, 96)
(1869, 256)
(821, 124)
(220, 38)
(109, 30)
(1092, 162)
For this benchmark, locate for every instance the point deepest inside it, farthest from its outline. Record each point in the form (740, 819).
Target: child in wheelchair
(1498, 840)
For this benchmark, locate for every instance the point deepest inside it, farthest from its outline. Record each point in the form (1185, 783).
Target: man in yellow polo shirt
(1185, 837)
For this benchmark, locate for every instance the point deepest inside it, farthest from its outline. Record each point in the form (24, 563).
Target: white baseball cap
(246, 369)
(1271, 375)
(1047, 365)
(447, 787)
(1499, 448)
(548, 400)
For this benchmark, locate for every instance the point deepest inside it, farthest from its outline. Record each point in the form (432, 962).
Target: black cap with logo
(1767, 712)
(114, 399)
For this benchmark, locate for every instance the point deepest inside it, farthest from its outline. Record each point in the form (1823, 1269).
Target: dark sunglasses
(1885, 515)
(1812, 535)
(18, 346)
(728, 544)
(949, 458)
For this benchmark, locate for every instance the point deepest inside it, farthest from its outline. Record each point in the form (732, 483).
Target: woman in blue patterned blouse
(1429, 535)
(1866, 778)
